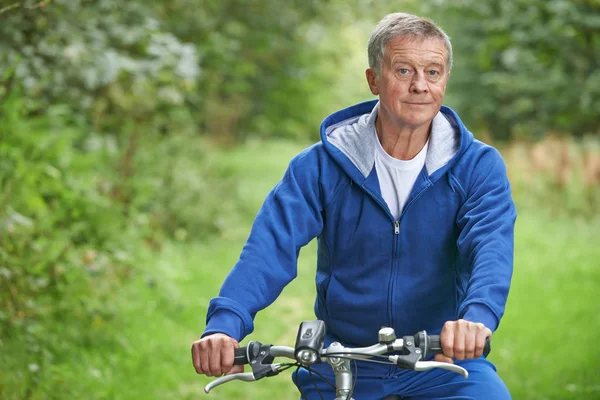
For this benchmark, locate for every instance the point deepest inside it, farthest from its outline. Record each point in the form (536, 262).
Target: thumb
(235, 369)
(443, 358)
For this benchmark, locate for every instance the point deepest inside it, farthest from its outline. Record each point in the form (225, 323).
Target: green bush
(179, 193)
(524, 68)
(76, 208)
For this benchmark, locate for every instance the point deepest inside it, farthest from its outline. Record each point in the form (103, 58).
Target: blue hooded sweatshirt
(448, 256)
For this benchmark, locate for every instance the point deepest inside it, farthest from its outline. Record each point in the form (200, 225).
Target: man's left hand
(462, 340)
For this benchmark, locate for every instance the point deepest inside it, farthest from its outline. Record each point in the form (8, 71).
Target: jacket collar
(349, 136)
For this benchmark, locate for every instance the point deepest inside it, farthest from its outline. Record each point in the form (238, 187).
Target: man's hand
(462, 340)
(213, 355)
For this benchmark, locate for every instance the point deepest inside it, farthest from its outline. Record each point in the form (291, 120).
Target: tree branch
(8, 8)
(41, 4)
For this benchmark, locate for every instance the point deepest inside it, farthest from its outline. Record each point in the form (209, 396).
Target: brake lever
(243, 376)
(425, 365)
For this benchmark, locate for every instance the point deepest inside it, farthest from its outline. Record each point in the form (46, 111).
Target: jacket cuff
(227, 322)
(477, 312)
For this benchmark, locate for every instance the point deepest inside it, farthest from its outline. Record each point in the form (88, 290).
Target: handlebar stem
(342, 371)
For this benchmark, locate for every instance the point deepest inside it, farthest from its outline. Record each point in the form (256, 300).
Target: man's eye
(433, 72)
(403, 71)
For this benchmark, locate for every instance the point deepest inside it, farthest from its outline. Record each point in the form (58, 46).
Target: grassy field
(546, 346)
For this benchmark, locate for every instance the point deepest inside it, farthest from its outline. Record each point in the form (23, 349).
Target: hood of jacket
(349, 136)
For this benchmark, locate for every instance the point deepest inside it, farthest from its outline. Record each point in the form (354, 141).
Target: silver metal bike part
(282, 351)
(307, 357)
(341, 369)
(425, 365)
(363, 352)
(246, 376)
(386, 335)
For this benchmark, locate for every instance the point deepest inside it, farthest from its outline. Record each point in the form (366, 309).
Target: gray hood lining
(355, 137)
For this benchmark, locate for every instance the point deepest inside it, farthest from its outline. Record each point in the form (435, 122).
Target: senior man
(414, 220)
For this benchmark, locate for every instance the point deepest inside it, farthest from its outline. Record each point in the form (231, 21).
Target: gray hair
(402, 24)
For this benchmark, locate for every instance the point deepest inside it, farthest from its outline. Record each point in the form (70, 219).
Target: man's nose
(418, 84)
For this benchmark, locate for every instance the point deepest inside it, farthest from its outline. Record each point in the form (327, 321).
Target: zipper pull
(396, 227)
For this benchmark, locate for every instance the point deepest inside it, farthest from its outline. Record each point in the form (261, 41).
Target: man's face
(412, 80)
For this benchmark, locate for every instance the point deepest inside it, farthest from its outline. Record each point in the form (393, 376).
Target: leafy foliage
(525, 68)
(259, 68)
(62, 252)
(72, 223)
(106, 60)
(231, 68)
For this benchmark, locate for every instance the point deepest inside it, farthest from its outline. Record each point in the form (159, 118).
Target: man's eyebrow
(399, 60)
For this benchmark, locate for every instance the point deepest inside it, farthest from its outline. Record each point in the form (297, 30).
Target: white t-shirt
(397, 177)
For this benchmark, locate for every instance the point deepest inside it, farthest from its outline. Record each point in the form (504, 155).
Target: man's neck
(401, 142)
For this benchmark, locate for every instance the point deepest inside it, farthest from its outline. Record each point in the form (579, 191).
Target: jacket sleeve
(288, 220)
(486, 241)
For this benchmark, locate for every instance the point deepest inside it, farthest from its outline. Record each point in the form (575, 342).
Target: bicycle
(309, 350)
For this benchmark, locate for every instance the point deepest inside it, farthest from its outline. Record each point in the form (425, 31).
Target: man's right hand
(213, 355)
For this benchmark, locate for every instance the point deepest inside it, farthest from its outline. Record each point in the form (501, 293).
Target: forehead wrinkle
(422, 51)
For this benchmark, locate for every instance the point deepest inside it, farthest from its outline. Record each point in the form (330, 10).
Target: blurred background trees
(236, 68)
(112, 112)
(525, 68)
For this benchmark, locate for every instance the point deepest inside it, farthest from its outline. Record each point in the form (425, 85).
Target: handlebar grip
(435, 347)
(240, 356)
(487, 347)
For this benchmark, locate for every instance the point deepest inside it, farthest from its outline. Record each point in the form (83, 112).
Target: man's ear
(372, 80)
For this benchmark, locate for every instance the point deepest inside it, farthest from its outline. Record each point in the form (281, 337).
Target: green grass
(545, 347)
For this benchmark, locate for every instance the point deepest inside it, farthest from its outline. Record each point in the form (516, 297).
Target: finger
(470, 342)
(196, 358)
(214, 360)
(227, 356)
(236, 369)
(459, 341)
(443, 358)
(447, 339)
(204, 364)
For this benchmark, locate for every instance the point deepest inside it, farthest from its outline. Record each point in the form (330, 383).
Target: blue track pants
(376, 381)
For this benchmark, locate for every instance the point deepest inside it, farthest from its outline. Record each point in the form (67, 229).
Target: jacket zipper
(395, 255)
(395, 267)
(396, 224)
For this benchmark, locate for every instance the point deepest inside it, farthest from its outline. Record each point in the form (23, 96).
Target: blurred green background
(138, 140)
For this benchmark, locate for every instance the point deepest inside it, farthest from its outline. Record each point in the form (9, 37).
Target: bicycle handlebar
(434, 347)
(409, 352)
(241, 354)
